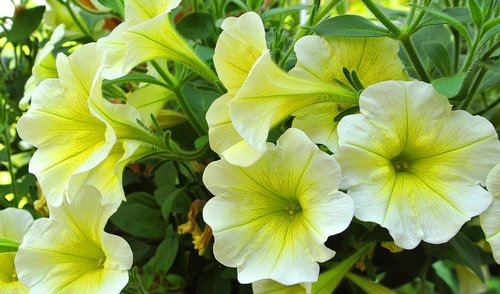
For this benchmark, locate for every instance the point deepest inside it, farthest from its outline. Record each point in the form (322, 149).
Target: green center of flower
(14, 276)
(101, 261)
(400, 163)
(292, 208)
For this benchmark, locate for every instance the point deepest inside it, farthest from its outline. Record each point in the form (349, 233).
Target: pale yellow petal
(115, 50)
(272, 287)
(374, 59)
(14, 223)
(223, 137)
(238, 48)
(149, 100)
(490, 222)
(143, 10)
(157, 38)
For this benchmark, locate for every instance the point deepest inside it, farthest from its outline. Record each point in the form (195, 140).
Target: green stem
(165, 75)
(415, 60)
(474, 87)
(180, 155)
(456, 51)
(75, 18)
(10, 166)
(382, 17)
(404, 38)
(489, 107)
(306, 31)
(181, 99)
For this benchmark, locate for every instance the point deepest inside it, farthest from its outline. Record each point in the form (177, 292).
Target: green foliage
(349, 26)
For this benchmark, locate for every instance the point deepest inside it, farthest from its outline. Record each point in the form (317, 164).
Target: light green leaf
(198, 25)
(115, 5)
(368, 286)
(449, 86)
(329, 280)
(349, 26)
(281, 10)
(164, 257)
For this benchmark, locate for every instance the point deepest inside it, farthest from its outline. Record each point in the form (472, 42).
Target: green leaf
(449, 20)
(329, 280)
(25, 23)
(166, 175)
(177, 201)
(139, 220)
(491, 29)
(211, 282)
(349, 26)
(459, 13)
(139, 248)
(115, 5)
(8, 245)
(281, 10)
(199, 100)
(135, 78)
(165, 254)
(438, 56)
(449, 86)
(368, 286)
(476, 13)
(198, 25)
(461, 250)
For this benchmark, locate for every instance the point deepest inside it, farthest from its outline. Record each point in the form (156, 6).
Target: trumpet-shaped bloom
(44, 67)
(115, 47)
(270, 220)
(373, 59)
(239, 46)
(269, 95)
(77, 132)
(490, 221)
(14, 223)
(414, 166)
(70, 252)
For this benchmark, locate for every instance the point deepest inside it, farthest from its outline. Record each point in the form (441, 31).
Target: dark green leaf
(165, 254)
(178, 202)
(8, 245)
(211, 282)
(139, 248)
(461, 250)
(198, 25)
(476, 13)
(449, 86)
(349, 26)
(166, 175)
(142, 198)
(199, 101)
(438, 56)
(115, 5)
(139, 220)
(281, 10)
(25, 23)
(135, 77)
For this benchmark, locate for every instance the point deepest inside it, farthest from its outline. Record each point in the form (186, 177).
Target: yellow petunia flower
(80, 136)
(373, 59)
(490, 221)
(270, 220)
(241, 43)
(14, 223)
(70, 252)
(414, 166)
